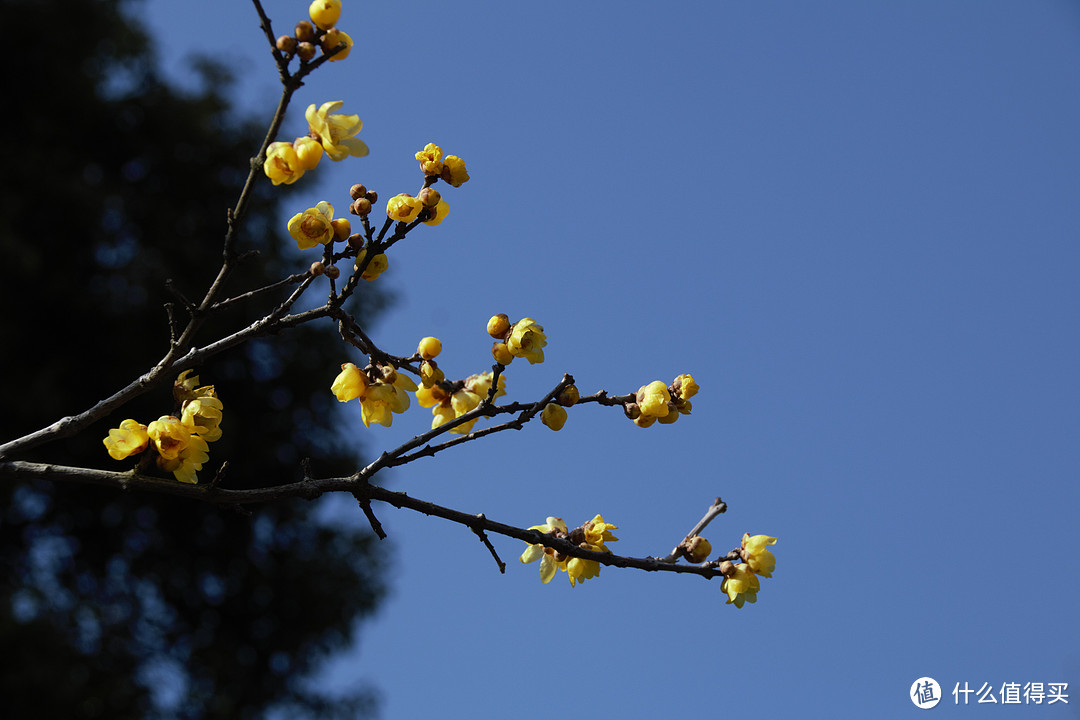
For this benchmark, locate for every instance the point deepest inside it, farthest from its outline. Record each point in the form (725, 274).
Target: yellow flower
(429, 348)
(430, 375)
(549, 564)
(698, 549)
(446, 405)
(653, 399)
(754, 553)
(580, 569)
(430, 159)
(282, 165)
(349, 384)
(190, 459)
(385, 398)
(403, 207)
(308, 152)
(498, 326)
(527, 340)
(170, 436)
(453, 171)
(336, 132)
(203, 416)
(598, 532)
(313, 227)
(438, 213)
(325, 13)
(684, 387)
(129, 439)
(554, 416)
(331, 40)
(741, 586)
(378, 265)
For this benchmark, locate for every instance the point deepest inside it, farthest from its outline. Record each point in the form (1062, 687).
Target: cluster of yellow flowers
(429, 205)
(178, 444)
(591, 536)
(334, 133)
(525, 338)
(325, 36)
(657, 402)
(741, 581)
(452, 400)
(382, 391)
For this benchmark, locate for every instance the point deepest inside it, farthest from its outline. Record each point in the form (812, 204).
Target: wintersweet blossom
(127, 440)
(169, 435)
(758, 557)
(349, 384)
(188, 461)
(654, 399)
(203, 415)
(336, 131)
(331, 40)
(438, 213)
(453, 171)
(325, 13)
(527, 340)
(430, 159)
(741, 585)
(549, 563)
(447, 404)
(376, 267)
(313, 227)
(403, 207)
(684, 387)
(554, 416)
(309, 152)
(386, 397)
(282, 165)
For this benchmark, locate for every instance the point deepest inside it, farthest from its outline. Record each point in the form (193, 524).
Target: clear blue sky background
(856, 223)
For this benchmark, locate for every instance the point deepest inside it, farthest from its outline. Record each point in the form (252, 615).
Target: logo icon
(925, 693)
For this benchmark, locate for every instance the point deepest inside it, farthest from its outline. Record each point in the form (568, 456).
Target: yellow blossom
(527, 340)
(203, 416)
(429, 348)
(501, 353)
(549, 565)
(498, 326)
(453, 171)
(741, 586)
(313, 227)
(554, 416)
(598, 532)
(378, 265)
(382, 399)
(653, 399)
(335, 131)
(282, 165)
(349, 384)
(188, 461)
(170, 436)
(697, 549)
(331, 40)
(309, 152)
(754, 553)
(438, 213)
(129, 439)
(403, 207)
(430, 159)
(430, 375)
(325, 13)
(684, 387)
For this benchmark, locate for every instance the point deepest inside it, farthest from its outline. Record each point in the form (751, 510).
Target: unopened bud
(286, 44)
(360, 206)
(342, 228)
(568, 396)
(430, 197)
(317, 268)
(697, 549)
(429, 348)
(644, 421)
(332, 272)
(372, 196)
(305, 51)
(727, 568)
(498, 326)
(501, 353)
(356, 241)
(305, 33)
(357, 191)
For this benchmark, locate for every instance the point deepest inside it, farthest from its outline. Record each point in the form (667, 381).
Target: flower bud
(644, 421)
(430, 197)
(305, 51)
(357, 191)
(360, 206)
(727, 568)
(697, 549)
(304, 32)
(332, 272)
(332, 39)
(498, 326)
(325, 13)
(286, 44)
(317, 268)
(554, 416)
(342, 228)
(568, 396)
(429, 348)
(501, 353)
(372, 196)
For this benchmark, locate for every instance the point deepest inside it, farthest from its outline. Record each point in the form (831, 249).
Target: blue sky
(856, 223)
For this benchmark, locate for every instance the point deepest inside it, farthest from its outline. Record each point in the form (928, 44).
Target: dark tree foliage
(125, 606)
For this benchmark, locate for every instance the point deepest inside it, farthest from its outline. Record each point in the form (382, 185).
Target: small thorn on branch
(487, 543)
